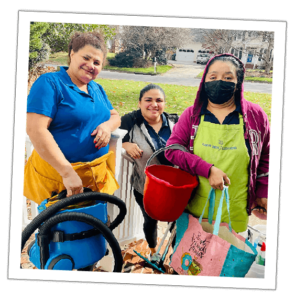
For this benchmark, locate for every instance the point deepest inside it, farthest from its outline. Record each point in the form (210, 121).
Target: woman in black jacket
(148, 130)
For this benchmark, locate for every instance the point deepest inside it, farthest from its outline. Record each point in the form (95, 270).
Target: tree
(38, 49)
(58, 35)
(224, 41)
(267, 54)
(150, 40)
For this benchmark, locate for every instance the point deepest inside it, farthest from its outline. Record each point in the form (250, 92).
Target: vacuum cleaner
(73, 232)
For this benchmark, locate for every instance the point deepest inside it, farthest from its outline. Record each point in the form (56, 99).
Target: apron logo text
(219, 147)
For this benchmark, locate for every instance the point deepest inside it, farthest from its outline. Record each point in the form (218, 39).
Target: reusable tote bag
(211, 248)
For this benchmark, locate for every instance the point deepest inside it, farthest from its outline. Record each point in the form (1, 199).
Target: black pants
(149, 224)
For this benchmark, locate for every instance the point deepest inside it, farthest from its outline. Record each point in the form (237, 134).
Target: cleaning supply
(167, 190)
(257, 241)
(71, 237)
(156, 261)
(261, 255)
(204, 248)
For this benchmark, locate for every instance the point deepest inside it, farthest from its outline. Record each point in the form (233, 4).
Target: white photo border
(25, 17)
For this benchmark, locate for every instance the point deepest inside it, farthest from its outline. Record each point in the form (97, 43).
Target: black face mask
(219, 91)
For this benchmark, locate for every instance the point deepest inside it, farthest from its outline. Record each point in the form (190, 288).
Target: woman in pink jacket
(228, 142)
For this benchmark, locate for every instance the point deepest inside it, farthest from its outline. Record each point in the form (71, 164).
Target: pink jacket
(257, 130)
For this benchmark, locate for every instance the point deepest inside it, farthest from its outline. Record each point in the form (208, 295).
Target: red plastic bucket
(167, 191)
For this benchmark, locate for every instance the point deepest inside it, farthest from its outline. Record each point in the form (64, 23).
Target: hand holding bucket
(167, 190)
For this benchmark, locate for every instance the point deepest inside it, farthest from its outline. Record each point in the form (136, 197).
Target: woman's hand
(72, 183)
(133, 150)
(260, 213)
(217, 178)
(103, 135)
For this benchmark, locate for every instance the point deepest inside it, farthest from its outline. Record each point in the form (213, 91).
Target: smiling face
(152, 105)
(85, 65)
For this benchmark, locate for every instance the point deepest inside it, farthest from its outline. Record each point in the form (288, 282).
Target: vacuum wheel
(62, 262)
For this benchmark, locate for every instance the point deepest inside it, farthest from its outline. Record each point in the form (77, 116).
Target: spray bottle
(260, 259)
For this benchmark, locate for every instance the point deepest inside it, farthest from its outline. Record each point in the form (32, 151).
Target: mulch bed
(258, 74)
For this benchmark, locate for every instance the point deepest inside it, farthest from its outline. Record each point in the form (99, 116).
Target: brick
(137, 269)
(140, 241)
(130, 251)
(128, 257)
(136, 259)
(139, 247)
(147, 271)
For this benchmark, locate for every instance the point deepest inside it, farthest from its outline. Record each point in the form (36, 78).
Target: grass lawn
(260, 79)
(59, 57)
(160, 69)
(124, 94)
(62, 57)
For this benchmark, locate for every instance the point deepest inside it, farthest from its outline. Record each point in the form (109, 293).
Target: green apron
(224, 146)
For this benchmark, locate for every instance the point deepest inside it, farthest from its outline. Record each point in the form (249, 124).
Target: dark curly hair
(81, 39)
(239, 72)
(149, 87)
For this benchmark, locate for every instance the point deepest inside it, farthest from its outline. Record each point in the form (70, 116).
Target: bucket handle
(173, 146)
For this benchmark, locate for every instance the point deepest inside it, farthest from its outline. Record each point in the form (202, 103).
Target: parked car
(203, 58)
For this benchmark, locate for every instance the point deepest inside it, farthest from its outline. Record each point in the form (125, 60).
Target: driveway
(184, 73)
(183, 69)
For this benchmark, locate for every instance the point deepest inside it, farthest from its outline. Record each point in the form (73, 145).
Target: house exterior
(246, 47)
(188, 52)
(250, 49)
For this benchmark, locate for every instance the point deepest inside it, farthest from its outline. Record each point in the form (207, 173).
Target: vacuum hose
(44, 233)
(63, 203)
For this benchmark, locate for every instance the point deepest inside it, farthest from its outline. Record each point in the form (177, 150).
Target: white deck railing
(131, 228)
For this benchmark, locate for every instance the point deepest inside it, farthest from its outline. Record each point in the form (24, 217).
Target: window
(260, 54)
(180, 50)
(240, 53)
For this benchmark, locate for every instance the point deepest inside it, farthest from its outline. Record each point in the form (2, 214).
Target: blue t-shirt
(74, 113)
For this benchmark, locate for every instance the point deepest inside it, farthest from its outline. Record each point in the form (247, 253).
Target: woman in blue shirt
(148, 130)
(69, 117)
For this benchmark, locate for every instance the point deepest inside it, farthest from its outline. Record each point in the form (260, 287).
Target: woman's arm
(188, 162)
(47, 148)
(262, 173)
(104, 130)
